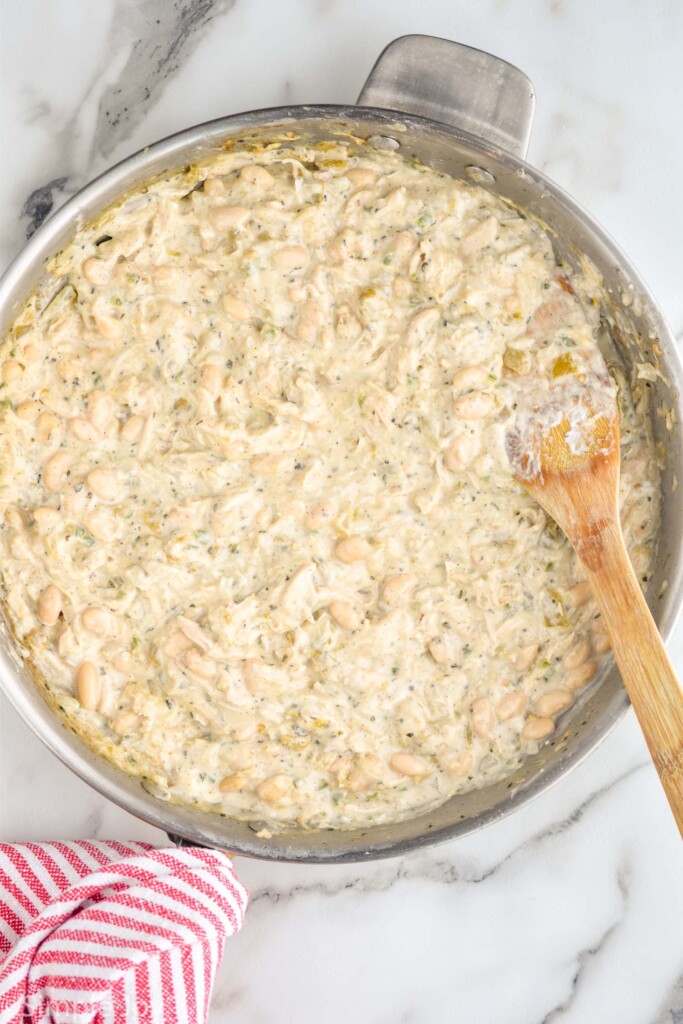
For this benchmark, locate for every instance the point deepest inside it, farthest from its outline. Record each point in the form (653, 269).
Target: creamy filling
(261, 536)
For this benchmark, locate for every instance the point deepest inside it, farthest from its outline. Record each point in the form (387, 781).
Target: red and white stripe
(112, 933)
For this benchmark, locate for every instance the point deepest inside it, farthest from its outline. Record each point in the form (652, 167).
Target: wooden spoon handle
(649, 678)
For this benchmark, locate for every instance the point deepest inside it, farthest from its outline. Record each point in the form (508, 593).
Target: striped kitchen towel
(112, 933)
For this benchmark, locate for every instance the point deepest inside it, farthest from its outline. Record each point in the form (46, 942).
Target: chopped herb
(83, 535)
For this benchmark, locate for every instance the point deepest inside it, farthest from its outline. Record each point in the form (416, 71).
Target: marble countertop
(570, 910)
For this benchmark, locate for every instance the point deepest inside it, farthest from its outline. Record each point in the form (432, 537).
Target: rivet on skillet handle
(454, 84)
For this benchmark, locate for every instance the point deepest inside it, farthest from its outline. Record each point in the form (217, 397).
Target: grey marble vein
(39, 204)
(585, 957)
(442, 871)
(672, 1013)
(165, 35)
(158, 36)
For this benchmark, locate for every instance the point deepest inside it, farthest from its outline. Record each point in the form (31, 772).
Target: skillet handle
(455, 84)
(179, 841)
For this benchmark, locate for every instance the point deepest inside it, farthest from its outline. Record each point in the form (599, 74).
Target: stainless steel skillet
(469, 114)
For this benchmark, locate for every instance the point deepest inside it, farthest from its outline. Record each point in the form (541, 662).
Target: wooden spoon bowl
(580, 490)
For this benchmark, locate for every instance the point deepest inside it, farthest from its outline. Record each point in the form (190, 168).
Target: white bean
(83, 430)
(74, 501)
(88, 686)
(214, 187)
(511, 705)
(483, 718)
(176, 643)
(580, 677)
(538, 728)
(225, 218)
(360, 176)
(54, 470)
(291, 257)
(123, 661)
(104, 483)
(526, 656)
(578, 595)
(123, 723)
(470, 377)
(460, 452)
(97, 271)
(577, 655)
(236, 308)
(68, 369)
(101, 523)
(46, 518)
(131, 430)
(274, 789)
(601, 644)
(233, 783)
(100, 409)
(254, 675)
(409, 764)
(552, 703)
(29, 410)
(344, 614)
(31, 353)
(459, 765)
(46, 426)
(50, 604)
(352, 549)
(15, 518)
(257, 176)
(211, 379)
(475, 405)
(356, 781)
(11, 370)
(97, 620)
(444, 649)
(396, 589)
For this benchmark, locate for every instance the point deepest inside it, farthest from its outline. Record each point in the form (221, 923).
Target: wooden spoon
(579, 486)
